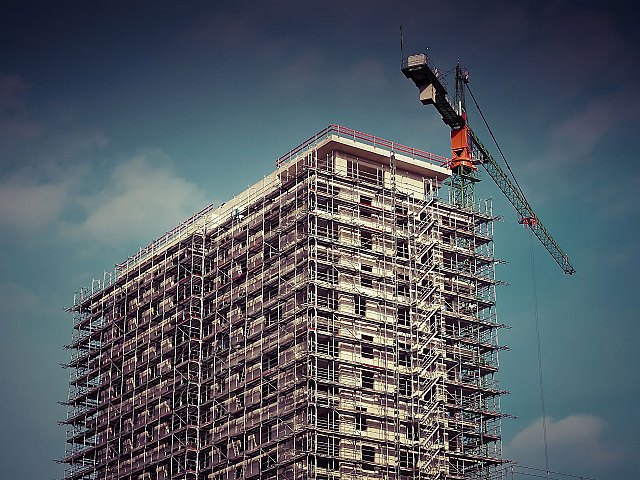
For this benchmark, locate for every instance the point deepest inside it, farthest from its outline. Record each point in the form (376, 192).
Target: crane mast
(467, 151)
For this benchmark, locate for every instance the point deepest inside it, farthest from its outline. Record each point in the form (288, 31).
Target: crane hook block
(461, 150)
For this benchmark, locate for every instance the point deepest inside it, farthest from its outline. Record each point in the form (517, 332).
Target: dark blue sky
(120, 119)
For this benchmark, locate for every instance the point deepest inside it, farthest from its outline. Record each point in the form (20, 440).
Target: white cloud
(26, 204)
(137, 202)
(576, 136)
(50, 190)
(52, 187)
(576, 444)
(77, 141)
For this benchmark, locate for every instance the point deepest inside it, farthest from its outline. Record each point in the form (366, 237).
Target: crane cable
(494, 140)
(535, 291)
(535, 310)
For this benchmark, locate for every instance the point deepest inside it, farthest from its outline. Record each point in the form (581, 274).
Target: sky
(120, 119)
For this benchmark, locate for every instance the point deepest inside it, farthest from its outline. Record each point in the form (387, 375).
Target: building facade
(336, 320)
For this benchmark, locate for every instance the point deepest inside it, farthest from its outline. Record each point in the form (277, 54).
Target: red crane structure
(467, 151)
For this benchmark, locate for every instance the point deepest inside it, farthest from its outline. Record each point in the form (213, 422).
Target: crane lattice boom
(468, 150)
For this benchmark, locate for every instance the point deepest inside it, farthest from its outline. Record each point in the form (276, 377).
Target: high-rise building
(335, 320)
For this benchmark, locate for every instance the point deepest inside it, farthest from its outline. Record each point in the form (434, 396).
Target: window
(352, 169)
(367, 379)
(412, 431)
(222, 341)
(328, 446)
(364, 172)
(324, 229)
(328, 419)
(402, 248)
(327, 274)
(360, 305)
(403, 316)
(325, 298)
(406, 459)
(267, 462)
(370, 174)
(269, 387)
(327, 346)
(368, 457)
(327, 205)
(361, 421)
(365, 204)
(326, 163)
(401, 217)
(367, 348)
(404, 386)
(270, 249)
(429, 187)
(427, 258)
(265, 433)
(366, 239)
(273, 314)
(270, 360)
(366, 280)
(404, 356)
(403, 289)
(270, 292)
(327, 188)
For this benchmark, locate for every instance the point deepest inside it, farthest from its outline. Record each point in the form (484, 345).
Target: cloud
(137, 202)
(26, 204)
(15, 301)
(564, 52)
(78, 141)
(15, 124)
(16, 129)
(48, 188)
(304, 66)
(12, 89)
(364, 73)
(575, 443)
(564, 57)
(576, 136)
(139, 198)
(232, 31)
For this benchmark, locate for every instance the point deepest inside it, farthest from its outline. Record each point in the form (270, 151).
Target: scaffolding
(334, 321)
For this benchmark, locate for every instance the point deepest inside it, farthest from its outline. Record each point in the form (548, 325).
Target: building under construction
(336, 320)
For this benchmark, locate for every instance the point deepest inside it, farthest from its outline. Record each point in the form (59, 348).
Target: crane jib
(432, 91)
(419, 69)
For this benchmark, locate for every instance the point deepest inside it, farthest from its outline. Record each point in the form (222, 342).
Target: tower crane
(467, 151)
